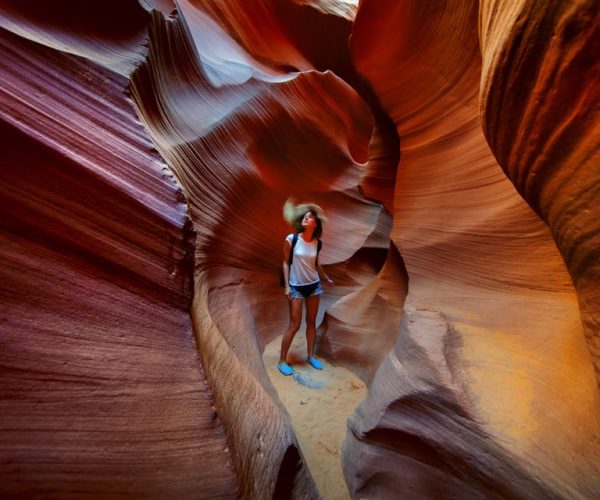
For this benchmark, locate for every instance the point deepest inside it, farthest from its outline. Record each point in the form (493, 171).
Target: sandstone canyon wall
(103, 392)
(491, 310)
(454, 148)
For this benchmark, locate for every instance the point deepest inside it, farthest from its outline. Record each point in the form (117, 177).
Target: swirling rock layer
(453, 147)
(491, 314)
(102, 390)
(546, 138)
(243, 135)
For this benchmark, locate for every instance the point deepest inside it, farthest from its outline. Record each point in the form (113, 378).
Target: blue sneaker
(315, 363)
(285, 369)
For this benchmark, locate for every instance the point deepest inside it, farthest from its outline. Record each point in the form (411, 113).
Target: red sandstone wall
(491, 341)
(102, 389)
(454, 149)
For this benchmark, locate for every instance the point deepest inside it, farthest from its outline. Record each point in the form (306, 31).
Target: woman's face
(309, 221)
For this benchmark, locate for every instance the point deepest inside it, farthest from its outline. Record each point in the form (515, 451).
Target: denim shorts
(304, 291)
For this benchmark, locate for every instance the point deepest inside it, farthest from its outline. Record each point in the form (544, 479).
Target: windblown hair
(294, 214)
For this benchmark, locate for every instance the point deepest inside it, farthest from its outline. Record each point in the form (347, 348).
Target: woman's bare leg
(295, 320)
(312, 308)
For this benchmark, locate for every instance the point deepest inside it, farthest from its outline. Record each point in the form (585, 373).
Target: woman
(302, 277)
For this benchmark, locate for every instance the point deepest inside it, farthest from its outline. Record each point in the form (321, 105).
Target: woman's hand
(287, 292)
(328, 281)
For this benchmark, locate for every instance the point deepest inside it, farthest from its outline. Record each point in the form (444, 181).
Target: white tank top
(303, 271)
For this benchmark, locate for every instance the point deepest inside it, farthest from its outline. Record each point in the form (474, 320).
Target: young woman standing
(302, 279)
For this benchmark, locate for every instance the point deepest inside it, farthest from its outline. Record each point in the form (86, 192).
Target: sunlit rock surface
(490, 389)
(546, 136)
(243, 135)
(461, 192)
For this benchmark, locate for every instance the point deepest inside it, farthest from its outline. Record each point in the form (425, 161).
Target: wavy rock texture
(95, 32)
(547, 137)
(102, 390)
(301, 35)
(490, 388)
(481, 383)
(242, 135)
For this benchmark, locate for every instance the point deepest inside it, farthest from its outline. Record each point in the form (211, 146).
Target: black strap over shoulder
(294, 241)
(291, 258)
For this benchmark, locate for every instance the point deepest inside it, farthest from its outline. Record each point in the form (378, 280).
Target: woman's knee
(311, 319)
(294, 326)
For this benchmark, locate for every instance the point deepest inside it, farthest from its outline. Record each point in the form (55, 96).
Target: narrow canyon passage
(148, 150)
(241, 132)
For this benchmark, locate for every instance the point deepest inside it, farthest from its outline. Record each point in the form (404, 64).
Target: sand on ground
(319, 402)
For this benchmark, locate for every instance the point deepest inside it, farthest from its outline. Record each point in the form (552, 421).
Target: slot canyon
(148, 149)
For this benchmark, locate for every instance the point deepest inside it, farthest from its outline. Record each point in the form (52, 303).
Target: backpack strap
(294, 241)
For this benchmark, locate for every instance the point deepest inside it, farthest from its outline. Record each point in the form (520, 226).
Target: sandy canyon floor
(319, 403)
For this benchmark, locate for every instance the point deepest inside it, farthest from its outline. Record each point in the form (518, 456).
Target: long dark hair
(300, 228)
(295, 213)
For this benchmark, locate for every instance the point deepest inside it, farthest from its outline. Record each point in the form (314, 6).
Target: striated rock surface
(490, 388)
(110, 33)
(454, 148)
(241, 136)
(546, 137)
(102, 393)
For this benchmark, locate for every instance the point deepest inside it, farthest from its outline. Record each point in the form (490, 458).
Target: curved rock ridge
(103, 392)
(515, 412)
(241, 135)
(295, 36)
(359, 329)
(414, 434)
(453, 145)
(291, 146)
(111, 33)
(547, 137)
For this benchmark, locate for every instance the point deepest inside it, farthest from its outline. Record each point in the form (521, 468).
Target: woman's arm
(286, 267)
(322, 274)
